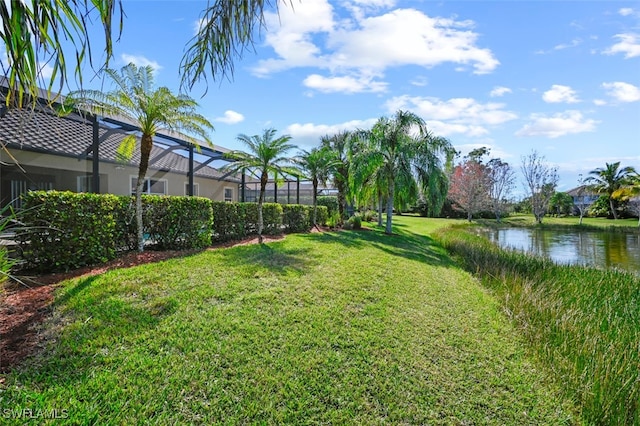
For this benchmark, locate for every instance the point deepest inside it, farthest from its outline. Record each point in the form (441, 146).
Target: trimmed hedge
(65, 230)
(322, 215)
(177, 222)
(330, 202)
(297, 218)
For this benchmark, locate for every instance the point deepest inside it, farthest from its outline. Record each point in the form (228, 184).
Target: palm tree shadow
(274, 257)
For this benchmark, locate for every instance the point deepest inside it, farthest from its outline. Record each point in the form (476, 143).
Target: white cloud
(457, 115)
(575, 42)
(346, 84)
(557, 125)
(45, 71)
(230, 117)
(625, 11)
(622, 92)
(420, 81)
(599, 102)
(366, 42)
(309, 134)
(140, 61)
(560, 94)
(629, 44)
(499, 91)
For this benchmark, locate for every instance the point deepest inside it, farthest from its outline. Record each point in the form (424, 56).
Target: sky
(561, 78)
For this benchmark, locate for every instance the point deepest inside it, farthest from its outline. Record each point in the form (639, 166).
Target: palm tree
(340, 143)
(152, 110)
(317, 165)
(33, 33)
(406, 154)
(610, 179)
(266, 155)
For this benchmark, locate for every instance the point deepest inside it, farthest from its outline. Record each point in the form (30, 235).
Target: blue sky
(558, 77)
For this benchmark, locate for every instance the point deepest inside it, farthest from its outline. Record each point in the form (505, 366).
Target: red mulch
(23, 308)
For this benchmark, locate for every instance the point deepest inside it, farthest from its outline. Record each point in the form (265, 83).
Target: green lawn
(340, 328)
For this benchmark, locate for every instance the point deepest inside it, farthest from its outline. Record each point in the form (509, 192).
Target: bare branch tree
(502, 179)
(540, 182)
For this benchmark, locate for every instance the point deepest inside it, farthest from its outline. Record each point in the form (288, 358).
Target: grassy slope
(354, 327)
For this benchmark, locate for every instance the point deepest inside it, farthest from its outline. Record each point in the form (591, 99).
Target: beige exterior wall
(114, 178)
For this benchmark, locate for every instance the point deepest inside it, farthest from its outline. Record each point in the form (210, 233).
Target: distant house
(43, 151)
(583, 197)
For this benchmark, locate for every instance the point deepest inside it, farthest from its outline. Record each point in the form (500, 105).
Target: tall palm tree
(152, 110)
(406, 154)
(609, 179)
(266, 155)
(317, 165)
(340, 143)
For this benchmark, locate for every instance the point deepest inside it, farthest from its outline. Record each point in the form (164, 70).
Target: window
(196, 189)
(228, 194)
(151, 186)
(85, 183)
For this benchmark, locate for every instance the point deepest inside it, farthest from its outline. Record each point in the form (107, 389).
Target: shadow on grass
(402, 243)
(273, 257)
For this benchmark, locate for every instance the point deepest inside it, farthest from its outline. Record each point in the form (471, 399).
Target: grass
(584, 323)
(333, 328)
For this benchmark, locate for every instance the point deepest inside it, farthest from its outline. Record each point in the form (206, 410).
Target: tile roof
(42, 130)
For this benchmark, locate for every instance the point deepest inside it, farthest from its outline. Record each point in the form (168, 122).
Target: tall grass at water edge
(583, 323)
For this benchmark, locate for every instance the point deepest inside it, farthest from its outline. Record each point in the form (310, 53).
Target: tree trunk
(388, 229)
(613, 209)
(315, 203)
(380, 209)
(146, 143)
(263, 187)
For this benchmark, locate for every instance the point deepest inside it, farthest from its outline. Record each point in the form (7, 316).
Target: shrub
(297, 217)
(356, 222)
(272, 218)
(228, 221)
(65, 230)
(330, 202)
(322, 215)
(178, 222)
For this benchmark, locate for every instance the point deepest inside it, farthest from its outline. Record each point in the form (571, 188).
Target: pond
(619, 250)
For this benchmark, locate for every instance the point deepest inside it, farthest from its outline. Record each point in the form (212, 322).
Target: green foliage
(124, 215)
(600, 207)
(333, 220)
(330, 202)
(7, 219)
(297, 217)
(560, 204)
(354, 222)
(322, 215)
(228, 221)
(178, 222)
(272, 217)
(583, 322)
(65, 230)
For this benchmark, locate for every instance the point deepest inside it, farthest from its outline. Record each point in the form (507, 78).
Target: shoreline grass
(340, 328)
(572, 222)
(584, 323)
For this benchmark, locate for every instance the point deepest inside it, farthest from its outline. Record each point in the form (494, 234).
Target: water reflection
(600, 249)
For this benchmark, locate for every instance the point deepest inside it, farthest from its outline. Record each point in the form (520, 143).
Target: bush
(354, 222)
(330, 202)
(297, 218)
(272, 218)
(228, 221)
(322, 215)
(178, 222)
(65, 230)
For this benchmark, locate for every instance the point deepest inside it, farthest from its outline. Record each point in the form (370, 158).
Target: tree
(581, 198)
(469, 187)
(266, 155)
(153, 110)
(561, 203)
(540, 182)
(340, 144)
(33, 32)
(402, 150)
(610, 179)
(501, 178)
(317, 165)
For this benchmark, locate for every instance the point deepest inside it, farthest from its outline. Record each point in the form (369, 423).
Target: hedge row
(67, 230)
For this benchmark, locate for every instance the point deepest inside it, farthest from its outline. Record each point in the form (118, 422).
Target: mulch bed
(23, 306)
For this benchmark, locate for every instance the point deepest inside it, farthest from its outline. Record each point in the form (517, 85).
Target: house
(42, 151)
(583, 197)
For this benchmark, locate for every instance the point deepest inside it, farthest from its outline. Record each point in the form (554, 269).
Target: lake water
(600, 249)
